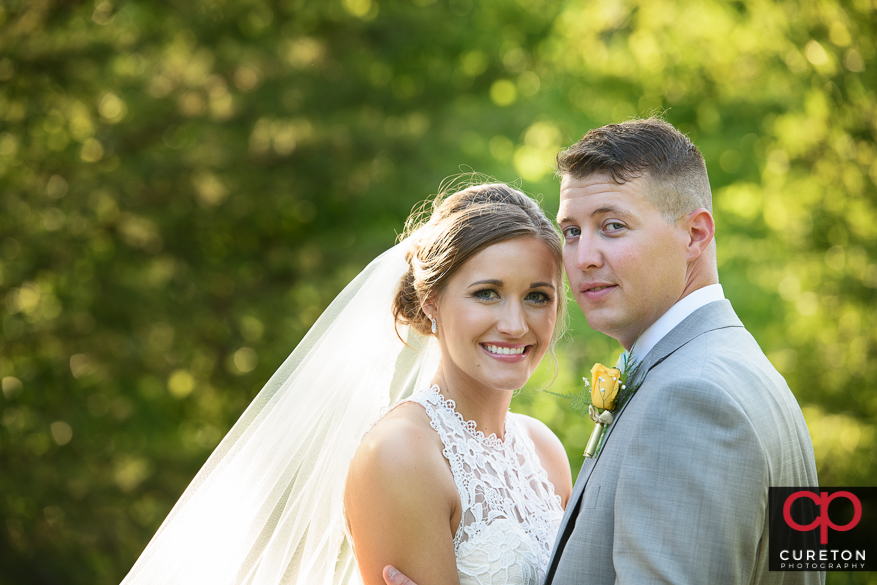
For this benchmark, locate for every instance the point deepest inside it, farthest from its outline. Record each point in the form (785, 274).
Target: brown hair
(648, 147)
(451, 228)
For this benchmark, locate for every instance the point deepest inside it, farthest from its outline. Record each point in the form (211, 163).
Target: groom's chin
(593, 316)
(602, 323)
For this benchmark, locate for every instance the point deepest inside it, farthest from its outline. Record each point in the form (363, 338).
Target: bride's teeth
(504, 350)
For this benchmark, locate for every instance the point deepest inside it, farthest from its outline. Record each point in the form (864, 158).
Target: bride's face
(496, 315)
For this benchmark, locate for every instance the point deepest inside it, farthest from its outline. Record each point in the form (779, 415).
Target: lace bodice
(510, 512)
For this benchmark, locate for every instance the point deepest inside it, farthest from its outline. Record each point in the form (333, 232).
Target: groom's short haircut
(650, 148)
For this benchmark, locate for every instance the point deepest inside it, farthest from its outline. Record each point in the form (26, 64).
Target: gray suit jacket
(679, 492)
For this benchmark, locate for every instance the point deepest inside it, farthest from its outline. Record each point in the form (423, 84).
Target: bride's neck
(484, 405)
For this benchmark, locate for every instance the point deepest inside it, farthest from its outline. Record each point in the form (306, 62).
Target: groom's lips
(597, 291)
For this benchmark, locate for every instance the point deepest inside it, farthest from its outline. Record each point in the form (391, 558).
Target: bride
(439, 498)
(448, 485)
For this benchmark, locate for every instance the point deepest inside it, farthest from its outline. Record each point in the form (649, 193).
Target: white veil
(267, 507)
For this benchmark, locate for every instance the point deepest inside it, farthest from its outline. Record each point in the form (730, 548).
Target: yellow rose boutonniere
(605, 384)
(604, 393)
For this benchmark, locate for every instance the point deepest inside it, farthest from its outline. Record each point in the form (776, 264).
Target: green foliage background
(185, 186)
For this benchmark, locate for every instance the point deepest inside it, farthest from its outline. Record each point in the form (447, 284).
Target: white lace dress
(510, 512)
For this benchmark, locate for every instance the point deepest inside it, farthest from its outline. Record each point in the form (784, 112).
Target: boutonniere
(602, 395)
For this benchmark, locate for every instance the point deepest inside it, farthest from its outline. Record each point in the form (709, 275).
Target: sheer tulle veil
(267, 507)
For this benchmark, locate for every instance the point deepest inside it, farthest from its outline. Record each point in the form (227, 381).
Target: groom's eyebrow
(608, 209)
(564, 219)
(599, 211)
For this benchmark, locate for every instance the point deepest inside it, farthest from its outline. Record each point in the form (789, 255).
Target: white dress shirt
(673, 317)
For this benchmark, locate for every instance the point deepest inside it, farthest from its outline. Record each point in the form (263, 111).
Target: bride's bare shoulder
(402, 433)
(400, 500)
(401, 444)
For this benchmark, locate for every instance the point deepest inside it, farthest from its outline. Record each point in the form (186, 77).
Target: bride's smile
(506, 352)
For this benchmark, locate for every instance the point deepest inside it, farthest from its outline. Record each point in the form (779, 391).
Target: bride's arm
(400, 501)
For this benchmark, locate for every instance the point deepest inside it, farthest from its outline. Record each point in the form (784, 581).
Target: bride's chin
(509, 384)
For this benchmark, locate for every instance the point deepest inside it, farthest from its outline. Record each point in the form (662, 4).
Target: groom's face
(626, 264)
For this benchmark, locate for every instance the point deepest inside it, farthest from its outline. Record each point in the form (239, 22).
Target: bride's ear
(429, 306)
(430, 309)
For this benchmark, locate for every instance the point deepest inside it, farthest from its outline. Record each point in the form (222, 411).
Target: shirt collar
(673, 317)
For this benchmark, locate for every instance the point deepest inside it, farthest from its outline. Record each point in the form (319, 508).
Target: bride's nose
(512, 320)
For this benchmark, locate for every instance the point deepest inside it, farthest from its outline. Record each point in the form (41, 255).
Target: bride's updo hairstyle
(451, 228)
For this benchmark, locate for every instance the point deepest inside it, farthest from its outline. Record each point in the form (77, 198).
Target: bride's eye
(539, 298)
(486, 294)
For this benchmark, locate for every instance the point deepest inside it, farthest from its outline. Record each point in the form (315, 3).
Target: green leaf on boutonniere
(629, 382)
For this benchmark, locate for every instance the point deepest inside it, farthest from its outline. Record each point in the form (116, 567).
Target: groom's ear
(700, 229)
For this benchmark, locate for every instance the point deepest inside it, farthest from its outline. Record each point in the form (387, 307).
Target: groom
(679, 492)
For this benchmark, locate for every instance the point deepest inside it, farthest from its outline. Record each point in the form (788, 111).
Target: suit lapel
(715, 315)
(712, 316)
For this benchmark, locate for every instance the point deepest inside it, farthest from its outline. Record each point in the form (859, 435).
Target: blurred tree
(781, 101)
(184, 188)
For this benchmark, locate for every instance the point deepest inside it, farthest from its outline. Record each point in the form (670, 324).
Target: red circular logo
(823, 522)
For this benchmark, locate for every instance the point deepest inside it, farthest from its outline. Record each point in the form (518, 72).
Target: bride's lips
(510, 352)
(597, 291)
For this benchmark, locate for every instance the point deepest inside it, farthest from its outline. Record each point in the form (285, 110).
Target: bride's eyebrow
(495, 282)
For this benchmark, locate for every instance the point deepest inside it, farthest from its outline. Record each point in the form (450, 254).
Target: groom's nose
(587, 253)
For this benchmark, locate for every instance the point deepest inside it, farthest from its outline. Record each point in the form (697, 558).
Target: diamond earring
(434, 324)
